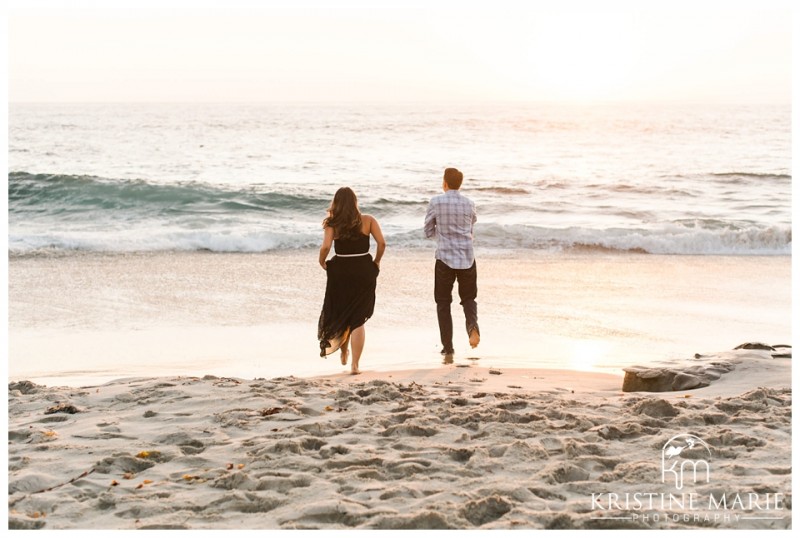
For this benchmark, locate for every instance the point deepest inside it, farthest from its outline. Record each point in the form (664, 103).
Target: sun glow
(587, 355)
(563, 56)
(591, 60)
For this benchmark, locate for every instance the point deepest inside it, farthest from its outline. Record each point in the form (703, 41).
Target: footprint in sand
(486, 510)
(56, 418)
(185, 443)
(127, 464)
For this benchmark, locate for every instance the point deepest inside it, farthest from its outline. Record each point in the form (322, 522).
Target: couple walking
(352, 273)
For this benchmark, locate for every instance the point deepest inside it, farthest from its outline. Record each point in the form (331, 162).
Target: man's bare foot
(474, 338)
(345, 353)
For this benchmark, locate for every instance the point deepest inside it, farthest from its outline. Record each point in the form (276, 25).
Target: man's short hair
(453, 178)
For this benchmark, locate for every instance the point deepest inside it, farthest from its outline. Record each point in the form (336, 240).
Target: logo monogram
(685, 452)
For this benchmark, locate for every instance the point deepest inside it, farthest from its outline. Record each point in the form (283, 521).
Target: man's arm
(474, 220)
(430, 221)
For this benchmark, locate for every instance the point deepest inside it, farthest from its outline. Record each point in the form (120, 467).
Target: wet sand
(89, 318)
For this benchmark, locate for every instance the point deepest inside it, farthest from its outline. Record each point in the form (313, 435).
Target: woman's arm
(377, 234)
(324, 250)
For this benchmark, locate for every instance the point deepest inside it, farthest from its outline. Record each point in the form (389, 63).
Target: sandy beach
(184, 390)
(458, 446)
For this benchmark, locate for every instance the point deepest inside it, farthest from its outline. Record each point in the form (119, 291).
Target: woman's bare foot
(345, 353)
(355, 372)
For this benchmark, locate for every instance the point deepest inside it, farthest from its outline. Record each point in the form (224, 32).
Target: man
(450, 218)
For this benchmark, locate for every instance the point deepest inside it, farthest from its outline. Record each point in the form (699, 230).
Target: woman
(352, 273)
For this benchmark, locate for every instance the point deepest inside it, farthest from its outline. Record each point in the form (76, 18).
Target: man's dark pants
(445, 277)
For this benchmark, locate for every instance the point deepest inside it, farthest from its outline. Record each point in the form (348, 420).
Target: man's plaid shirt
(450, 219)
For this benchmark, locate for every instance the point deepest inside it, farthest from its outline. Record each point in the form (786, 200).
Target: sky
(307, 51)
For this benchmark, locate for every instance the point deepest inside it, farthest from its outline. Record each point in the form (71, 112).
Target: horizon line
(413, 102)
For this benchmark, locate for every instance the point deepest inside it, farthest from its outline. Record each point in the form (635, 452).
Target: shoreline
(254, 315)
(732, 371)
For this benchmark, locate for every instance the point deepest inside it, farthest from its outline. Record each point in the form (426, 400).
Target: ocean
(659, 179)
(181, 239)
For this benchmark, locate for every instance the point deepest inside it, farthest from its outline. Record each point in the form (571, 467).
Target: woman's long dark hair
(343, 215)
